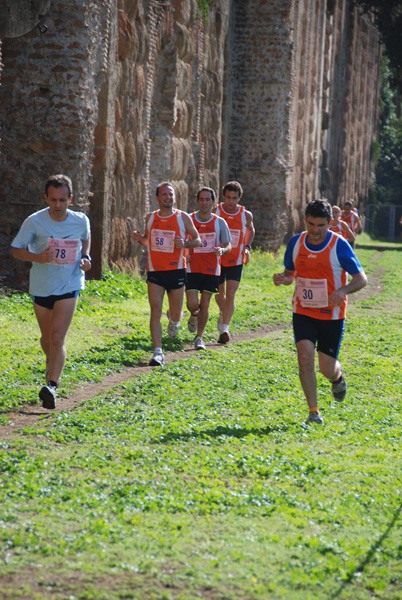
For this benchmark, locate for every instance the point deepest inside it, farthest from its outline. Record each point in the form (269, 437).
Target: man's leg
(330, 367)
(54, 324)
(155, 297)
(203, 315)
(229, 303)
(221, 297)
(193, 303)
(176, 299)
(308, 380)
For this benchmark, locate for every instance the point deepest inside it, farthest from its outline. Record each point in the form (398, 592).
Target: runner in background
(241, 227)
(351, 218)
(165, 236)
(338, 226)
(204, 263)
(56, 240)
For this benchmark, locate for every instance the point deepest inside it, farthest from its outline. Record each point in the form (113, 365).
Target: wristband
(87, 257)
(247, 247)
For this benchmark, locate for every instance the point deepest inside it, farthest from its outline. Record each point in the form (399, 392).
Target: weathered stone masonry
(120, 94)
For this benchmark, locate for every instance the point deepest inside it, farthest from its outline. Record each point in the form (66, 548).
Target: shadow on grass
(379, 248)
(119, 351)
(236, 432)
(367, 559)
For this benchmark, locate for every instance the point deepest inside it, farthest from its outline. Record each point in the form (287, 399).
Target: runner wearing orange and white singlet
(351, 218)
(318, 261)
(340, 227)
(241, 227)
(165, 236)
(204, 264)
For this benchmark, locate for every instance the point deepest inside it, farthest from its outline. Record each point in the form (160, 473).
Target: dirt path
(29, 415)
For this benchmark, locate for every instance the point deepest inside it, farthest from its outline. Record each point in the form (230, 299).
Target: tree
(387, 188)
(387, 15)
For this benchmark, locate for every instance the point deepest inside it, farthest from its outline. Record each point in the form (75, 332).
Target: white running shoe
(173, 328)
(158, 360)
(192, 324)
(198, 343)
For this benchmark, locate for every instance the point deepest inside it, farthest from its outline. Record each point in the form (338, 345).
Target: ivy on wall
(204, 6)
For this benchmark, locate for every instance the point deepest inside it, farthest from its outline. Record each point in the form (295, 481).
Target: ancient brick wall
(256, 148)
(335, 104)
(165, 84)
(48, 113)
(301, 108)
(121, 94)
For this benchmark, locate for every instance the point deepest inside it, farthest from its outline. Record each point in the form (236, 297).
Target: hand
(85, 264)
(278, 278)
(137, 236)
(45, 256)
(246, 256)
(336, 298)
(179, 242)
(218, 251)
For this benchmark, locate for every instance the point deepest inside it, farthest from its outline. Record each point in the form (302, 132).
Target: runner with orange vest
(165, 236)
(351, 218)
(241, 227)
(204, 264)
(319, 260)
(340, 227)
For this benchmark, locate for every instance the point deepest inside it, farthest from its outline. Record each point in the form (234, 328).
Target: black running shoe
(48, 397)
(339, 389)
(224, 337)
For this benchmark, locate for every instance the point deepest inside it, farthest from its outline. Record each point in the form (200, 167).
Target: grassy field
(201, 480)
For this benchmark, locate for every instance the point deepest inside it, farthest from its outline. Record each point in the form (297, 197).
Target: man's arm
(223, 249)
(351, 236)
(285, 278)
(249, 236)
(195, 240)
(250, 231)
(358, 282)
(27, 256)
(137, 236)
(85, 263)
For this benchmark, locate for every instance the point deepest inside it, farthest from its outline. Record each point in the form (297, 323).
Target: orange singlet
(351, 220)
(237, 224)
(162, 252)
(338, 229)
(318, 274)
(203, 259)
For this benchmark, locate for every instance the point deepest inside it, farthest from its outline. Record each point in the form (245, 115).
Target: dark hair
(59, 181)
(207, 189)
(348, 203)
(319, 208)
(161, 185)
(232, 186)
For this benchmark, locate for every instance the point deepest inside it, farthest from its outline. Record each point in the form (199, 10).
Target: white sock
(158, 350)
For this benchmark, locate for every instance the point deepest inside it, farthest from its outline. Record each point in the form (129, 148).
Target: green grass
(201, 480)
(110, 331)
